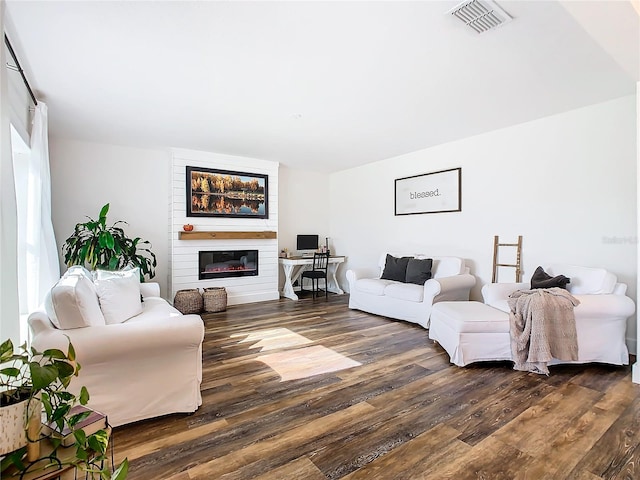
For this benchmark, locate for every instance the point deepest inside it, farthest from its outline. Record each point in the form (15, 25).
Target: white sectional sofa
(407, 301)
(476, 332)
(144, 366)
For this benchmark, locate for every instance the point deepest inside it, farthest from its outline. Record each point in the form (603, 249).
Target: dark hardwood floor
(401, 411)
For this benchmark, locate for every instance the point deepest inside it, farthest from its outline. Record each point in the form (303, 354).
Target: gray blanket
(542, 327)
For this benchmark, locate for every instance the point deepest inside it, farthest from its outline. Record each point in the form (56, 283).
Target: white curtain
(42, 267)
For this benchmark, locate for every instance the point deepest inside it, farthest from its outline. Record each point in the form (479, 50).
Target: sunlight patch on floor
(273, 339)
(306, 362)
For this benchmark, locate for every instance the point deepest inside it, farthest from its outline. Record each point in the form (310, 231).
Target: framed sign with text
(435, 192)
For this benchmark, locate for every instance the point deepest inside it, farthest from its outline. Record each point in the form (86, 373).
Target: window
(21, 153)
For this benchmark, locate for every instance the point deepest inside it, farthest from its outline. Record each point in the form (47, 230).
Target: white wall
(567, 183)
(304, 207)
(135, 182)
(20, 102)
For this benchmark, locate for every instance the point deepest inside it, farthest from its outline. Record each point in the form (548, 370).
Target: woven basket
(215, 299)
(188, 301)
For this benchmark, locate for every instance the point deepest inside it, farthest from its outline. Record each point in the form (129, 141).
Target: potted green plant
(32, 382)
(96, 245)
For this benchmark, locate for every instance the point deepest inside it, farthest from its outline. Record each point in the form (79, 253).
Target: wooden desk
(294, 266)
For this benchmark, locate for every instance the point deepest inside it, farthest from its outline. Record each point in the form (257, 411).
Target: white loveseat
(145, 366)
(407, 301)
(477, 332)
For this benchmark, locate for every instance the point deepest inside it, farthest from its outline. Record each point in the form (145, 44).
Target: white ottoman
(471, 331)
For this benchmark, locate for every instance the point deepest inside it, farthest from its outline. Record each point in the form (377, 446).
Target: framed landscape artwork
(225, 193)
(435, 192)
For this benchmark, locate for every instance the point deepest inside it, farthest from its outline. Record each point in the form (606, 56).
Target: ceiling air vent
(480, 15)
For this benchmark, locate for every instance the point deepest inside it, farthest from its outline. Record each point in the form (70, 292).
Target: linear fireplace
(227, 263)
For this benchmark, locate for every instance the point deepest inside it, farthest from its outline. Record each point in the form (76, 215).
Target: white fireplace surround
(183, 268)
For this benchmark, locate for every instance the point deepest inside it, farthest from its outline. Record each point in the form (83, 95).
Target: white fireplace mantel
(227, 233)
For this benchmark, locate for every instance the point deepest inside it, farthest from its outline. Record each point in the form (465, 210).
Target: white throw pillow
(585, 280)
(447, 267)
(79, 270)
(73, 303)
(119, 294)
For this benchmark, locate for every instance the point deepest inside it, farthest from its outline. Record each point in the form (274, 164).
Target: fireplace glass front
(227, 263)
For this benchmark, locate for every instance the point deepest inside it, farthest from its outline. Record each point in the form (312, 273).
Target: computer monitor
(307, 242)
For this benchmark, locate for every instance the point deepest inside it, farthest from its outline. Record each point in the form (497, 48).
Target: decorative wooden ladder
(517, 265)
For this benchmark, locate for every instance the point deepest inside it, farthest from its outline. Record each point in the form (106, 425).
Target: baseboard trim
(252, 297)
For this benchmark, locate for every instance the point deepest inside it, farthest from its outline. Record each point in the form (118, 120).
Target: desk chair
(319, 270)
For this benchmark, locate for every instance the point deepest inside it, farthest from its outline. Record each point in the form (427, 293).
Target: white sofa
(478, 332)
(406, 301)
(143, 367)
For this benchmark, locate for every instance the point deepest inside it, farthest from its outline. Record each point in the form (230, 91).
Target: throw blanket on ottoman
(542, 327)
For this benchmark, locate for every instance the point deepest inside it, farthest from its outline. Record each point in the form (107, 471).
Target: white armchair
(144, 367)
(450, 281)
(601, 317)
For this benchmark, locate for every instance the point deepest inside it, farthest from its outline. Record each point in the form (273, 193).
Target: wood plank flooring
(401, 412)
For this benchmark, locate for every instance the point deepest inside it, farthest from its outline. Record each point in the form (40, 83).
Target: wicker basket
(188, 301)
(215, 299)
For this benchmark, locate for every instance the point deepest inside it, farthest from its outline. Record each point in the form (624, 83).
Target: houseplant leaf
(103, 214)
(98, 441)
(42, 376)
(84, 395)
(10, 371)
(122, 471)
(6, 351)
(80, 436)
(54, 353)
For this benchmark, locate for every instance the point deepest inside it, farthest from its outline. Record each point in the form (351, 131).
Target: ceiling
(314, 85)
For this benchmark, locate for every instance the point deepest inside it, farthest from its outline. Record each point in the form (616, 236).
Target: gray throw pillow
(419, 270)
(395, 268)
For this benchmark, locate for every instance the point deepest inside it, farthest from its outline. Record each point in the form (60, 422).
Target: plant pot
(20, 427)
